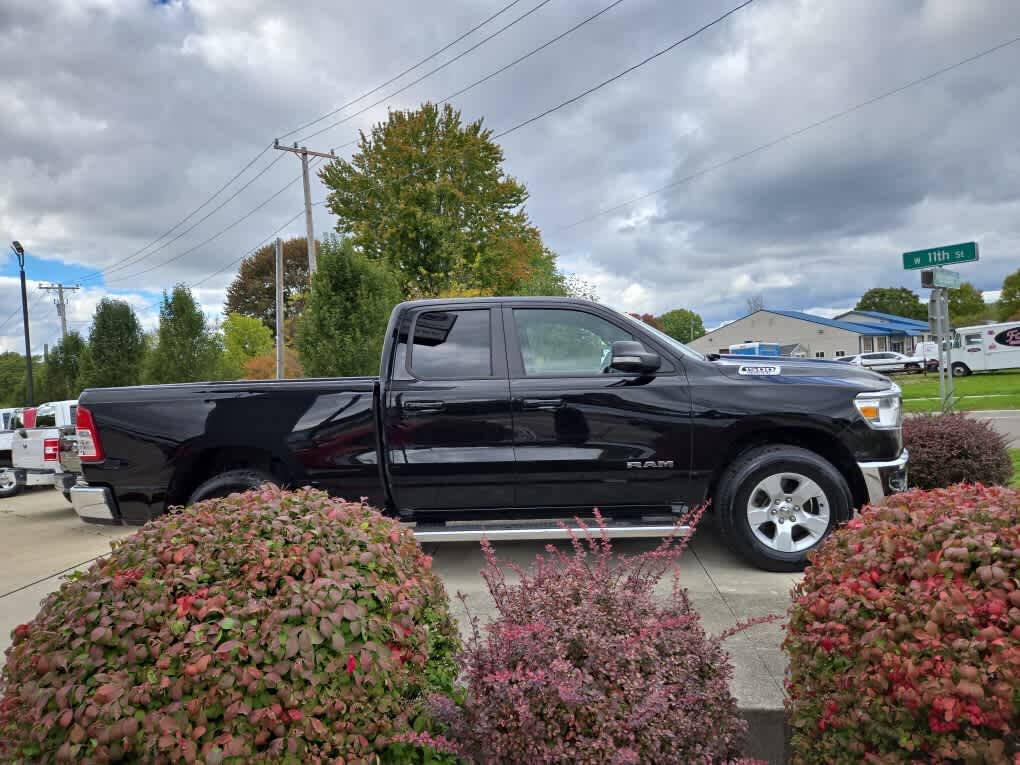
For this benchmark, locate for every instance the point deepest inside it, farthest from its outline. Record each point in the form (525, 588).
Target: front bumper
(885, 478)
(94, 504)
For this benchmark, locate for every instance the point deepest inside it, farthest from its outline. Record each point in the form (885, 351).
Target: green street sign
(949, 255)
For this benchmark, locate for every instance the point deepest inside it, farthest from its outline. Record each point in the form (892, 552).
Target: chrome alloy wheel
(788, 512)
(7, 479)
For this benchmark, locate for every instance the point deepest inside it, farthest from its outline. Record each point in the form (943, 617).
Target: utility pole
(60, 302)
(304, 152)
(19, 253)
(279, 309)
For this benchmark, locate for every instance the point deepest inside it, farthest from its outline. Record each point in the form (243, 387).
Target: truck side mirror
(631, 357)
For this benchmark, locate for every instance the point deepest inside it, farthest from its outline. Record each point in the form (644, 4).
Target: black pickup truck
(509, 409)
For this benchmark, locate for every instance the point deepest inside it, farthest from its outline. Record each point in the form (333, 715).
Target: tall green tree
(253, 290)
(64, 366)
(1009, 300)
(426, 194)
(341, 330)
(12, 379)
(186, 349)
(898, 301)
(116, 347)
(682, 324)
(966, 304)
(244, 338)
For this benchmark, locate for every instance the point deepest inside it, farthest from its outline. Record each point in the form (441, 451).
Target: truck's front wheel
(230, 482)
(775, 504)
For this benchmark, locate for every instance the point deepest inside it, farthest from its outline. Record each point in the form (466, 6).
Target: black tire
(960, 369)
(9, 486)
(913, 367)
(740, 479)
(67, 495)
(231, 482)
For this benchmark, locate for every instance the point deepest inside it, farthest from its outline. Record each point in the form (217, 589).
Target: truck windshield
(676, 345)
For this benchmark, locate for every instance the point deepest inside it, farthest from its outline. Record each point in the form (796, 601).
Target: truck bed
(320, 432)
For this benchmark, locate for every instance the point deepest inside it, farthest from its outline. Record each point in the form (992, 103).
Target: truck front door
(585, 435)
(448, 428)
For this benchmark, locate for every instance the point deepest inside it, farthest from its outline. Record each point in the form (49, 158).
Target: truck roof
(488, 300)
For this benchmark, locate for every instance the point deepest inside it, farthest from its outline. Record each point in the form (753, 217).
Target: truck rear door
(448, 428)
(586, 435)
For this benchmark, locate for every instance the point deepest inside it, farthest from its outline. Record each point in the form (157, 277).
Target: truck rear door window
(565, 343)
(452, 344)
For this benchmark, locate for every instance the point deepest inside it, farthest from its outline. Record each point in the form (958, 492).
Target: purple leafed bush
(947, 449)
(583, 665)
(269, 626)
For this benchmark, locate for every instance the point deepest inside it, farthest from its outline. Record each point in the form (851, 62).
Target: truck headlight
(881, 409)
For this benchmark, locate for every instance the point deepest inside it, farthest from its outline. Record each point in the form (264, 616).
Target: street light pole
(19, 253)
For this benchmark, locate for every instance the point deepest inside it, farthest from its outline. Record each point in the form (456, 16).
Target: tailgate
(29, 445)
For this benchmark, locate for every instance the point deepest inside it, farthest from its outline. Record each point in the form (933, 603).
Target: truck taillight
(51, 449)
(89, 447)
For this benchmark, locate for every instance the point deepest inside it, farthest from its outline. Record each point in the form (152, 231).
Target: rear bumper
(885, 478)
(34, 477)
(94, 504)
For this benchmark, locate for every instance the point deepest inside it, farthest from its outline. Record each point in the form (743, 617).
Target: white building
(817, 337)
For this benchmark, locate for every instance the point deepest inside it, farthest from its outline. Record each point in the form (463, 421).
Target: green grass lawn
(983, 390)
(1015, 454)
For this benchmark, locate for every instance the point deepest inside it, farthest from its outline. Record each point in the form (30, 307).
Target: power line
(792, 134)
(259, 155)
(410, 69)
(188, 217)
(124, 263)
(212, 238)
(625, 72)
(39, 298)
(532, 52)
(427, 74)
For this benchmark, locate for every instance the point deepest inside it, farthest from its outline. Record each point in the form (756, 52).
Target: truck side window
(452, 344)
(565, 343)
(972, 339)
(46, 417)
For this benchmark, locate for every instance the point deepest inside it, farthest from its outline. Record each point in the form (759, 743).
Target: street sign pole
(940, 280)
(947, 402)
(937, 293)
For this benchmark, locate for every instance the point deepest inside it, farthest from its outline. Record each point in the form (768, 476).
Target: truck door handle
(541, 403)
(422, 407)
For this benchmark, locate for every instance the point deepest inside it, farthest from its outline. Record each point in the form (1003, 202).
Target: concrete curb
(767, 735)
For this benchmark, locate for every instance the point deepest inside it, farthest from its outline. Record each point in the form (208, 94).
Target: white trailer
(986, 347)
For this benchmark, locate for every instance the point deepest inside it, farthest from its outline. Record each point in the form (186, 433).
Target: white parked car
(888, 361)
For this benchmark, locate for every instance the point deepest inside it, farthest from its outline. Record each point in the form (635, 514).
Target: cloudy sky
(122, 117)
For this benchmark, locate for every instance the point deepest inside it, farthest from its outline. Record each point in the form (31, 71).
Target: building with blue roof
(848, 334)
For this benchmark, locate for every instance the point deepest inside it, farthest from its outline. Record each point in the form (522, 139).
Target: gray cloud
(121, 117)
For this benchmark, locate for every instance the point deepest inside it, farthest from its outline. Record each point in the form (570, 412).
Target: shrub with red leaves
(583, 666)
(269, 626)
(954, 448)
(904, 637)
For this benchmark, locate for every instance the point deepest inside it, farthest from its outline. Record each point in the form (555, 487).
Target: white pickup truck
(9, 419)
(35, 446)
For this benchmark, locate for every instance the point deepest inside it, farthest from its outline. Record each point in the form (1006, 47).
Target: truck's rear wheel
(777, 503)
(230, 482)
(960, 369)
(9, 485)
